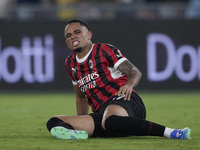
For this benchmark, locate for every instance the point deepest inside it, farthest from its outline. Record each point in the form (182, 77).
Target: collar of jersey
(86, 56)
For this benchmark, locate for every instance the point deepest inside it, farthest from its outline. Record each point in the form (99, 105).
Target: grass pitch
(23, 117)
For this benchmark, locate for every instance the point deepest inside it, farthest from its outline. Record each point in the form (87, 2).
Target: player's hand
(125, 92)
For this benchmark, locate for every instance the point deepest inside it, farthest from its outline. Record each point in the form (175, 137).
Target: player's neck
(84, 52)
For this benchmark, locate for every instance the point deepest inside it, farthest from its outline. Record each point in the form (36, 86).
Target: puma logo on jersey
(74, 69)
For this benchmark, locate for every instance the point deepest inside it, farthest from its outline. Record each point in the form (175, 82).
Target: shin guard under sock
(53, 122)
(133, 126)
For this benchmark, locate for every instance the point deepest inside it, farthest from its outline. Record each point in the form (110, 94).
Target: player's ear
(89, 35)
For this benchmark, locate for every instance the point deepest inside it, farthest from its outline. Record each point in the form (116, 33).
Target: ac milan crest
(91, 64)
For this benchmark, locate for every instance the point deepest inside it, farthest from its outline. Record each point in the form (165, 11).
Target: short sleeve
(113, 55)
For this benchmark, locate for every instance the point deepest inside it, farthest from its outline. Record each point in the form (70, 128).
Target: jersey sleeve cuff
(119, 62)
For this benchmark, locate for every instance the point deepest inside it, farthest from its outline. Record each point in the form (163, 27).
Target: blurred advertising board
(32, 54)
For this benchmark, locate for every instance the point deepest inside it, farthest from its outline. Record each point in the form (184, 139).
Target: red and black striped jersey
(96, 74)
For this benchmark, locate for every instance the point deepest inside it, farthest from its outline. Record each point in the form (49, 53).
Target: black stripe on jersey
(68, 66)
(76, 70)
(98, 47)
(105, 80)
(108, 57)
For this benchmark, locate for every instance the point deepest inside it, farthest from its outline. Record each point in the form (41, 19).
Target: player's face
(77, 36)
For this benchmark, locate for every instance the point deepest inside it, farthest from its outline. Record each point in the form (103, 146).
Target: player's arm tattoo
(131, 71)
(126, 67)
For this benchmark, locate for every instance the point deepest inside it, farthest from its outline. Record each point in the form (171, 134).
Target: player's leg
(127, 126)
(84, 122)
(119, 107)
(71, 127)
(131, 121)
(113, 121)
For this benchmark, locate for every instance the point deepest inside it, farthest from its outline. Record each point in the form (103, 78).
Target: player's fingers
(128, 95)
(124, 94)
(123, 91)
(118, 93)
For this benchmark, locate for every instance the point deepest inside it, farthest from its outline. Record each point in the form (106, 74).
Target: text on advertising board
(32, 62)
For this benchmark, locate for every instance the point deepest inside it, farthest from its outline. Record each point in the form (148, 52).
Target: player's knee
(103, 124)
(110, 123)
(55, 121)
(52, 122)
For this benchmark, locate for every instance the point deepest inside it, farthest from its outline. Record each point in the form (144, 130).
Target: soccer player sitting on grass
(104, 79)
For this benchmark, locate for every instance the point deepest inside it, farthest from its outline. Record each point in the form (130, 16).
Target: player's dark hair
(82, 23)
